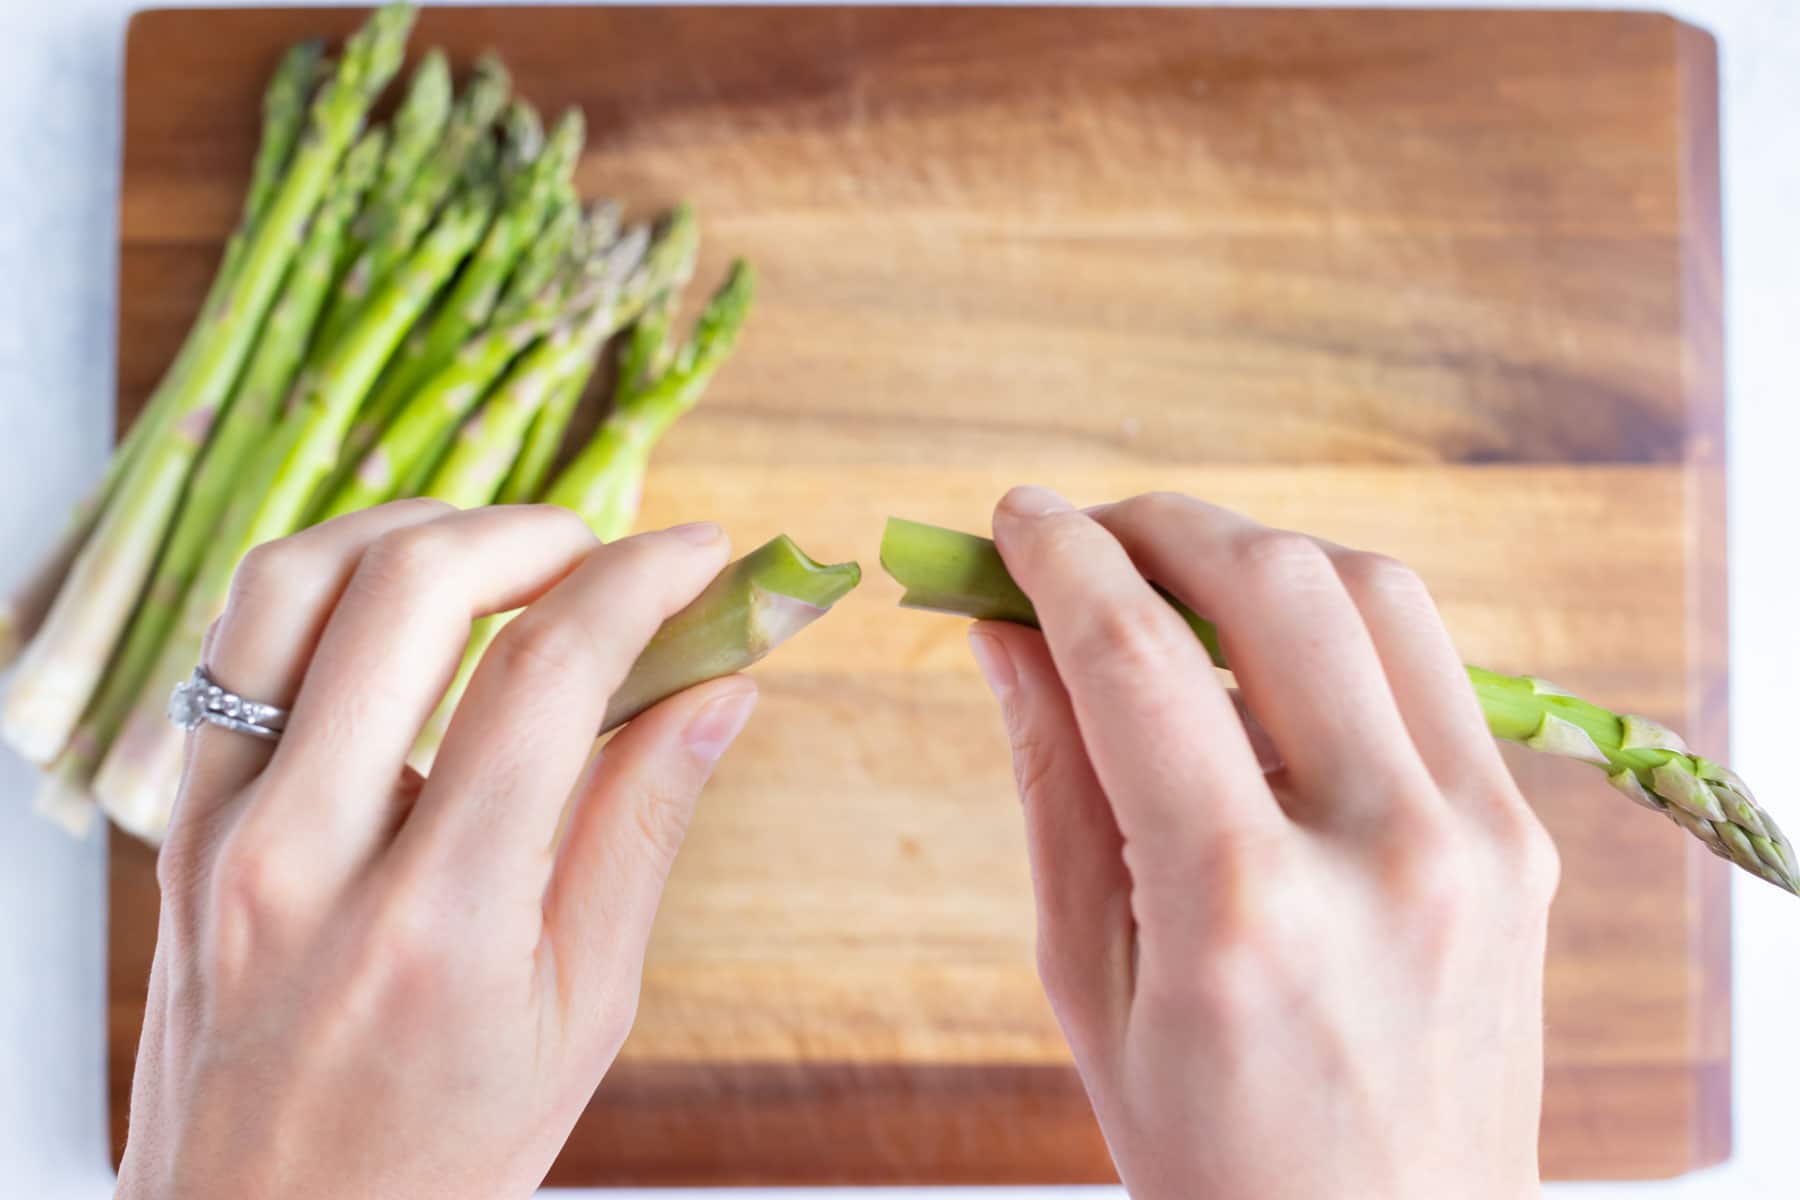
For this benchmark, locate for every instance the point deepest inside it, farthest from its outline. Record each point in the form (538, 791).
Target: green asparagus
(59, 671)
(755, 604)
(255, 408)
(135, 776)
(284, 115)
(533, 190)
(418, 124)
(959, 573)
(426, 188)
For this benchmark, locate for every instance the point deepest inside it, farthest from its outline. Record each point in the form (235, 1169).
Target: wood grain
(1442, 283)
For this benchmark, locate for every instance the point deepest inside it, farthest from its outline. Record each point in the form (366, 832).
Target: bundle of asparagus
(946, 571)
(408, 309)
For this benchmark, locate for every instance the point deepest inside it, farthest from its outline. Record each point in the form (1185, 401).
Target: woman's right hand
(1295, 955)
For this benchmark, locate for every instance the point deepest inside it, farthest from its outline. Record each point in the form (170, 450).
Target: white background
(60, 63)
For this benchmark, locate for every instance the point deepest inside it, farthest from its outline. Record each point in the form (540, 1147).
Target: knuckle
(177, 862)
(1157, 508)
(1061, 539)
(617, 1017)
(556, 514)
(272, 569)
(1432, 874)
(538, 647)
(1033, 759)
(662, 815)
(1131, 637)
(414, 943)
(1534, 858)
(1279, 558)
(1369, 574)
(404, 561)
(255, 884)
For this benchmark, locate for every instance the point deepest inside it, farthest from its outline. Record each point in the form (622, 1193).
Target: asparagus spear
(646, 355)
(284, 113)
(433, 412)
(604, 482)
(426, 189)
(533, 190)
(418, 124)
(755, 604)
(144, 760)
(478, 461)
(960, 573)
(483, 451)
(63, 664)
(251, 415)
(544, 438)
(405, 456)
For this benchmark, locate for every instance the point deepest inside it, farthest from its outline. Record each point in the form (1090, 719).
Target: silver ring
(197, 698)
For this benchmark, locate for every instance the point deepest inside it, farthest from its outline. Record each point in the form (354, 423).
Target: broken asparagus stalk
(960, 573)
(754, 605)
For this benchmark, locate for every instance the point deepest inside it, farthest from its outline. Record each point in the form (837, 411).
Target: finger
(1296, 643)
(1162, 736)
(395, 640)
(281, 597)
(1429, 682)
(524, 728)
(625, 828)
(1083, 891)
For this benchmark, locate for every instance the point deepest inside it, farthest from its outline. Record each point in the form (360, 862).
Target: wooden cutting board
(1446, 284)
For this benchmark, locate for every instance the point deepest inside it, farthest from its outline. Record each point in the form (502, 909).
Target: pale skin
(1296, 954)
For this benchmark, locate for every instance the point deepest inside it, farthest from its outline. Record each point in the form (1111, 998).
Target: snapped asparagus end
(950, 572)
(754, 605)
(791, 589)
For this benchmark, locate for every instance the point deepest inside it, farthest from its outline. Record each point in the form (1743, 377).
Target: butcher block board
(1442, 283)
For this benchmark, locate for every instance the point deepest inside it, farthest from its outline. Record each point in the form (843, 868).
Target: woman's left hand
(369, 984)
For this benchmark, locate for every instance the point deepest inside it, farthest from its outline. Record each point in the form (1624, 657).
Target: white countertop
(59, 121)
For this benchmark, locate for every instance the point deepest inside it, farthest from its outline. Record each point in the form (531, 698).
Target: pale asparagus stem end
(963, 574)
(66, 802)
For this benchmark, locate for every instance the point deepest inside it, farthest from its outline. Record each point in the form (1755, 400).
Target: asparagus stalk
(646, 355)
(959, 573)
(284, 114)
(405, 457)
(566, 228)
(426, 188)
(544, 439)
(284, 117)
(604, 482)
(138, 774)
(418, 124)
(431, 415)
(755, 604)
(63, 664)
(534, 189)
(486, 448)
(251, 415)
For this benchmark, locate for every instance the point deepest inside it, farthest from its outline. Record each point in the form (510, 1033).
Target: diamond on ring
(198, 699)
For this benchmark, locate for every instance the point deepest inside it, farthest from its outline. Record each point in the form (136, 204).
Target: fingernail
(1033, 501)
(995, 664)
(716, 726)
(700, 533)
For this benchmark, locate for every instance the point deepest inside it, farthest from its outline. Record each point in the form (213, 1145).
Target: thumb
(1083, 890)
(628, 821)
